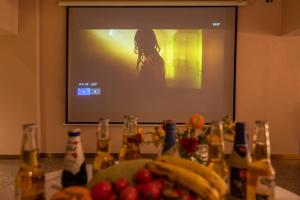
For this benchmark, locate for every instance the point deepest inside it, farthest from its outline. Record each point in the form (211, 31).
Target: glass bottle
(103, 158)
(30, 179)
(261, 174)
(74, 169)
(216, 151)
(238, 162)
(124, 139)
(170, 147)
(133, 140)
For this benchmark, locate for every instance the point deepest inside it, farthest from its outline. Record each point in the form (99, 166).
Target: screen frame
(140, 4)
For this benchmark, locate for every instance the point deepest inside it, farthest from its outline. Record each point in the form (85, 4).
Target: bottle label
(238, 182)
(241, 150)
(265, 187)
(74, 157)
(203, 153)
(30, 187)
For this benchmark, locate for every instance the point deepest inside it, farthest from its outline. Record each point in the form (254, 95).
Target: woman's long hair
(145, 44)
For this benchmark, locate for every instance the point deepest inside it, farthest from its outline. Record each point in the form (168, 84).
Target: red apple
(121, 184)
(151, 190)
(139, 187)
(129, 193)
(159, 183)
(102, 190)
(143, 176)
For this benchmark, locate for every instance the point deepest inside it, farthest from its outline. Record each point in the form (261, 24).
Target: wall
(268, 74)
(18, 79)
(290, 17)
(9, 12)
(267, 78)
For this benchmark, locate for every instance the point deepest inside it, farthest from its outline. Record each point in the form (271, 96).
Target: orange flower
(197, 121)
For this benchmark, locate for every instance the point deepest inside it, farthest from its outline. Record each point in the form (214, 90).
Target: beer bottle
(261, 174)
(30, 179)
(216, 151)
(124, 139)
(133, 140)
(103, 158)
(74, 170)
(238, 162)
(170, 147)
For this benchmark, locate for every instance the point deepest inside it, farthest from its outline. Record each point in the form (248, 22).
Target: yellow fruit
(185, 178)
(212, 177)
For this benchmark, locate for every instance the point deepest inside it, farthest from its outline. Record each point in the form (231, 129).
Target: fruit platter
(165, 177)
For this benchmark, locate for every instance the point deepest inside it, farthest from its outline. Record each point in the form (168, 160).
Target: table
(54, 178)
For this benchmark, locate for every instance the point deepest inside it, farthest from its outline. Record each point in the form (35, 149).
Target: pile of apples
(146, 187)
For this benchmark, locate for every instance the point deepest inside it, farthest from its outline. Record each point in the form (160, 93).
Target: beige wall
(268, 74)
(9, 12)
(290, 17)
(18, 79)
(267, 79)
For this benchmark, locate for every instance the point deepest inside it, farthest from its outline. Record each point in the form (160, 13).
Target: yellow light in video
(180, 49)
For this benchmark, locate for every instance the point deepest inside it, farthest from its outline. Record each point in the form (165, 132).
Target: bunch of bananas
(196, 177)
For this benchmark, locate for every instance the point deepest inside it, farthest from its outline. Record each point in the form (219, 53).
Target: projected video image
(156, 63)
(170, 58)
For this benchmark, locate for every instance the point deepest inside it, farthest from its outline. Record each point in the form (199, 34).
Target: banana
(186, 178)
(211, 176)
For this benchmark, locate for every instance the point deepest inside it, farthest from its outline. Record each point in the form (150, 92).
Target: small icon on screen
(95, 91)
(83, 91)
(216, 24)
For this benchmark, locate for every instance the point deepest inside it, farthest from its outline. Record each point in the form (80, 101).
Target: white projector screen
(155, 63)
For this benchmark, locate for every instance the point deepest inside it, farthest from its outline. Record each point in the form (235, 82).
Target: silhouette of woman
(150, 64)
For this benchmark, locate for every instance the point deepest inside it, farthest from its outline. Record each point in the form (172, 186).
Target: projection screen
(155, 63)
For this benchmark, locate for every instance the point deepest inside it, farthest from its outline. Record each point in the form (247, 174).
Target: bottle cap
(240, 133)
(170, 138)
(74, 132)
(169, 125)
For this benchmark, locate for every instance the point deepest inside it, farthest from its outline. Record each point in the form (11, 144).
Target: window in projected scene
(153, 62)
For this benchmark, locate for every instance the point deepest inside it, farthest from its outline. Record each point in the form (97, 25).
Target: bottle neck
(170, 137)
(103, 129)
(216, 152)
(103, 146)
(240, 141)
(261, 142)
(216, 143)
(30, 159)
(29, 151)
(74, 145)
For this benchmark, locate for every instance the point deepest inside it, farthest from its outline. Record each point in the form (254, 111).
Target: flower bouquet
(192, 140)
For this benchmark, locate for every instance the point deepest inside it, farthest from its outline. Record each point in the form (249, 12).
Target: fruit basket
(165, 177)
